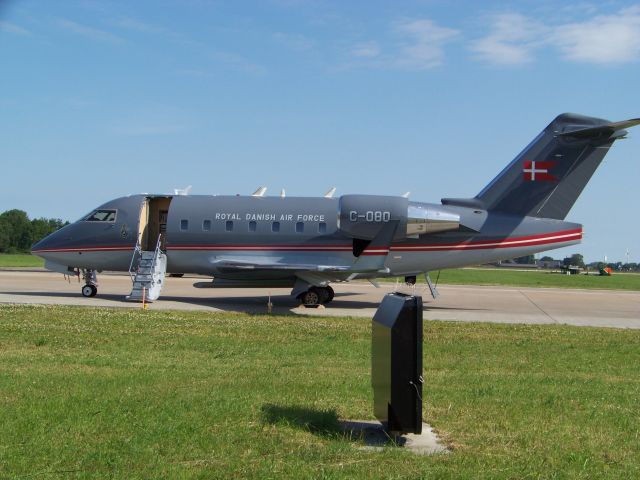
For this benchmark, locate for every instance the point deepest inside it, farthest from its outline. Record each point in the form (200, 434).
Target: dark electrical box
(396, 363)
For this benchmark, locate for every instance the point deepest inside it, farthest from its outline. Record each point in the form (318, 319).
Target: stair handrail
(156, 254)
(137, 249)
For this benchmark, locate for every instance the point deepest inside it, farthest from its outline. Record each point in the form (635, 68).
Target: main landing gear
(90, 289)
(316, 296)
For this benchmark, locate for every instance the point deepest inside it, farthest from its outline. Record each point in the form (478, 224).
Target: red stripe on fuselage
(83, 249)
(508, 242)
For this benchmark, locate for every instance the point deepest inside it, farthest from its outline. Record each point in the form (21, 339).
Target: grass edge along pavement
(90, 393)
(14, 260)
(458, 276)
(532, 278)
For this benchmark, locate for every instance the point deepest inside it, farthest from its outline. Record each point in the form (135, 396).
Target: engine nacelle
(362, 216)
(430, 219)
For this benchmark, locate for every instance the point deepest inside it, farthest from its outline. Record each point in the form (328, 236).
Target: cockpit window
(101, 216)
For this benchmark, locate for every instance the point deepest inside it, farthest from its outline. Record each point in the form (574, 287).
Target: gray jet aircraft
(308, 243)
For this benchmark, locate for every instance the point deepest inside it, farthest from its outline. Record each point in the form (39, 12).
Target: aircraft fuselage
(200, 230)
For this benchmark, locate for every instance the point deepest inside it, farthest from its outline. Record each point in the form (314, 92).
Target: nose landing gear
(90, 289)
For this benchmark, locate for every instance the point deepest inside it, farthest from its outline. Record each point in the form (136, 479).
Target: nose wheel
(89, 291)
(90, 288)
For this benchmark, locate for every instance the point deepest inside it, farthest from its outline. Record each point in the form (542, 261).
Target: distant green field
(133, 394)
(20, 260)
(536, 278)
(459, 276)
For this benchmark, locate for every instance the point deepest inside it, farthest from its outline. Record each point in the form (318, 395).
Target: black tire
(326, 294)
(310, 298)
(89, 291)
(331, 293)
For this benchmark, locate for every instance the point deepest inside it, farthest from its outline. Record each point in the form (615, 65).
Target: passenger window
(322, 227)
(299, 227)
(184, 225)
(252, 226)
(206, 225)
(101, 216)
(229, 226)
(275, 227)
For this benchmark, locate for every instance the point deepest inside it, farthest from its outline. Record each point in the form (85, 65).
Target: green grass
(97, 393)
(466, 276)
(20, 260)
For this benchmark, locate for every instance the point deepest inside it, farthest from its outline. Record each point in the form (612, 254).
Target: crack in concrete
(539, 307)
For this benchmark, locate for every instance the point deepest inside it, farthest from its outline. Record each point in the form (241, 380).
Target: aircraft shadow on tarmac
(282, 304)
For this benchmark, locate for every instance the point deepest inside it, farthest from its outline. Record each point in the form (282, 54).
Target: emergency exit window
(252, 226)
(275, 227)
(322, 227)
(299, 227)
(206, 225)
(184, 224)
(229, 226)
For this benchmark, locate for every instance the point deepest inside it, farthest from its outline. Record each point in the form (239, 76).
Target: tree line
(18, 233)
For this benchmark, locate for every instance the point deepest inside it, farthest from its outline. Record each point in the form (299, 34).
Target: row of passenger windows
(252, 226)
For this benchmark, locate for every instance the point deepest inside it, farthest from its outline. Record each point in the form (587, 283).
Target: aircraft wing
(244, 264)
(372, 259)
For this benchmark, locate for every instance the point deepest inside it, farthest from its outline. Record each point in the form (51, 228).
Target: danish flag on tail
(535, 171)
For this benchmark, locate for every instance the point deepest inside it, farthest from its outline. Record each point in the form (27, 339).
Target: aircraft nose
(41, 245)
(44, 247)
(51, 243)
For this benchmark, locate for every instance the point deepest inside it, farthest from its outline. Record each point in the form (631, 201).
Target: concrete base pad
(377, 438)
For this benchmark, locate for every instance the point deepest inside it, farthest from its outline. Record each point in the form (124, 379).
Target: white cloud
(603, 39)
(425, 49)
(512, 40)
(88, 32)
(366, 50)
(12, 28)
(419, 45)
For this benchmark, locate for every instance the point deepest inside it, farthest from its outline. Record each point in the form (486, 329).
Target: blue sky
(100, 99)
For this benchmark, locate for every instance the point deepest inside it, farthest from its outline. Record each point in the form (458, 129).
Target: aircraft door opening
(153, 222)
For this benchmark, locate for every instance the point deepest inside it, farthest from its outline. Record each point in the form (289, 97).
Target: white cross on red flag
(535, 171)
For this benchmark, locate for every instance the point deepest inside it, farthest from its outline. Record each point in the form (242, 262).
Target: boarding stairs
(147, 274)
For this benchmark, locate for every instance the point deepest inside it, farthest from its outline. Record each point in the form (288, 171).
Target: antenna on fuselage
(283, 193)
(259, 192)
(406, 194)
(182, 191)
(330, 192)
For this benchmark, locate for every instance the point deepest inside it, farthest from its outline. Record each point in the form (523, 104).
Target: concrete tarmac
(601, 308)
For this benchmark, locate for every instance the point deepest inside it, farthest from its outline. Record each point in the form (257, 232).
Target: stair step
(149, 277)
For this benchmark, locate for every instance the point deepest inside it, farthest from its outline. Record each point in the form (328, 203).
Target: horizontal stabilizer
(606, 130)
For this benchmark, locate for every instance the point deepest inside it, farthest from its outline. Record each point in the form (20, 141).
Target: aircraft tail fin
(547, 177)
